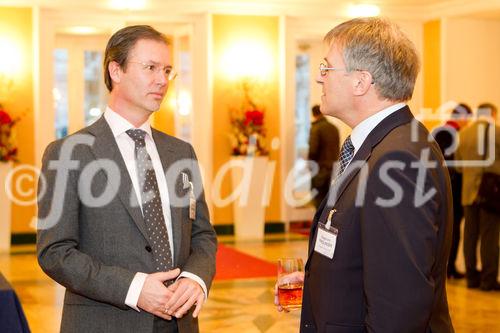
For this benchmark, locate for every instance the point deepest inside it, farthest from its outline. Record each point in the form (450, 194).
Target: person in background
(480, 223)
(324, 150)
(447, 138)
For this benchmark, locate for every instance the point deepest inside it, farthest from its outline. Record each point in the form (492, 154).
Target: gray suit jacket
(95, 251)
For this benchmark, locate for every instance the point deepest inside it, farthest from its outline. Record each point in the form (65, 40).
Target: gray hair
(378, 46)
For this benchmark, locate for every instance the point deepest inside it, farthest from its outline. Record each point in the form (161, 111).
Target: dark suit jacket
(324, 143)
(323, 149)
(388, 271)
(446, 136)
(95, 251)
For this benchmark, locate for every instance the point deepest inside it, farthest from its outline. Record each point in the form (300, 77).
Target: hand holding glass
(290, 282)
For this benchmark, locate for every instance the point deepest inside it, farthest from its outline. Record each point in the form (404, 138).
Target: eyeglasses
(323, 69)
(168, 71)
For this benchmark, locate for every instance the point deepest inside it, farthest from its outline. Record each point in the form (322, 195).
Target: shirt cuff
(197, 279)
(134, 291)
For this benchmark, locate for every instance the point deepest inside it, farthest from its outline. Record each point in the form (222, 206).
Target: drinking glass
(289, 289)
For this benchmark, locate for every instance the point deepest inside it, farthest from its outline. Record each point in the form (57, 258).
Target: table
(12, 319)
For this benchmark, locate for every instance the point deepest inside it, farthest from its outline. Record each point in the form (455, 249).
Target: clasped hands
(174, 300)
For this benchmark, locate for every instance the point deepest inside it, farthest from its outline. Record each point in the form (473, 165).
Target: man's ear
(115, 71)
(362, 82)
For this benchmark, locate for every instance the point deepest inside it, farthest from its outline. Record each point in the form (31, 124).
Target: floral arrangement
(247, 128)
(8, 150)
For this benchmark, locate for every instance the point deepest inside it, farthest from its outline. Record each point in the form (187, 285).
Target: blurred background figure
(447, 138)
(324, 150)
(481, 224)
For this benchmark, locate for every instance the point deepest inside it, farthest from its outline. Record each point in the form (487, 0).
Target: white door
(79, 91)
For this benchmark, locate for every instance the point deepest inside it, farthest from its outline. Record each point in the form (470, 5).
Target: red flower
(254, 117)
(248, 118)
(248, 133)
(8, 151)
(4, 118)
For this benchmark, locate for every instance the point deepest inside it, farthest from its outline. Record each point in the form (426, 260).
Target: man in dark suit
(446, 137)
(323, 150)
(380, 242)
(123, 222)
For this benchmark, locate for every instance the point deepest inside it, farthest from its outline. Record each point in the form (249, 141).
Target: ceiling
(411, 9)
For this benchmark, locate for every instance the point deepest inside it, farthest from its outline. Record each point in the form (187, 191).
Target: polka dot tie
(346, 154)
(151, 203)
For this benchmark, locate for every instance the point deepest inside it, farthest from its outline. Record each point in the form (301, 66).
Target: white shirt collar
(120, 125)
(364, 128)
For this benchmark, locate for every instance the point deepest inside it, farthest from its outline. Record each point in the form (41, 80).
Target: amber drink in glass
(289, 292)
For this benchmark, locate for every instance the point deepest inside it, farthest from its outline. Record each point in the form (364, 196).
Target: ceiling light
(247, 59)
(12, 57)
(80, 30)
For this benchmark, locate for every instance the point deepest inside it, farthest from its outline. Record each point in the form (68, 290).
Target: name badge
(192, 203)
(326, 240)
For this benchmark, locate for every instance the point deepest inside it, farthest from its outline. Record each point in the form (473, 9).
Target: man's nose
(161, 78)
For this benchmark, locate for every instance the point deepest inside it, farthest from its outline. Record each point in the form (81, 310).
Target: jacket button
(148, 248)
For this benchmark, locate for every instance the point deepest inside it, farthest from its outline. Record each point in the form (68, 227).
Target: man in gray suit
(123, 223)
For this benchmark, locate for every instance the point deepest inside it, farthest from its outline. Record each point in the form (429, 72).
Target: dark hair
(461, 110)
(120, 44)
(316, 111)
(487, 109)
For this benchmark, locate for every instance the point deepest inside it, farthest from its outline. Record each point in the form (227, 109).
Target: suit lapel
(338, 188)
(174, 186)
(105, 147)
(394, 120)
(397, 118)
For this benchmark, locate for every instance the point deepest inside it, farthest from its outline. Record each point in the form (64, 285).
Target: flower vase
(248, 176)
(5, 209)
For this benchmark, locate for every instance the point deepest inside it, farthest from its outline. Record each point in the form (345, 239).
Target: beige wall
(228, 29)
(472, 61)
(16, 25)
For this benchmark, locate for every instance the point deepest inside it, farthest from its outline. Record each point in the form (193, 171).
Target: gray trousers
(481, 225)
(161, 325)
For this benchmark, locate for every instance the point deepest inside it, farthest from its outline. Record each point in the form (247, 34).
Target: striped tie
(346, 154)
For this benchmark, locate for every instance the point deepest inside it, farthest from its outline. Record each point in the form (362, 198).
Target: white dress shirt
(126, 145)
(364, 128)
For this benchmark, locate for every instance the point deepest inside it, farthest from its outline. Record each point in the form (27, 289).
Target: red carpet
(233, 264)
(302, 228)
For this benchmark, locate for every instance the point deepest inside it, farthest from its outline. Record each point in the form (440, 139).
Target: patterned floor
(242, 305)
